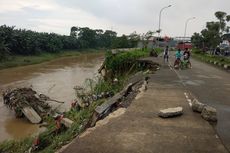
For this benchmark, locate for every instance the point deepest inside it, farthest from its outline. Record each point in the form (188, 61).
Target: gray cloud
(125, 16)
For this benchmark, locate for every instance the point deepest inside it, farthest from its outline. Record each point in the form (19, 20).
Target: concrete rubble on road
(197, 106)
(209, 114)
(170, 112)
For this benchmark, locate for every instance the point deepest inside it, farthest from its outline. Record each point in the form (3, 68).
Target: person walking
(166, 54)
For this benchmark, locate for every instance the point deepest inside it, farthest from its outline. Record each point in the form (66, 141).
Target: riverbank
(17, 60)
(51, 141)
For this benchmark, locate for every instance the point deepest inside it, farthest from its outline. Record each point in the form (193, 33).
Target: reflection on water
(56, 79)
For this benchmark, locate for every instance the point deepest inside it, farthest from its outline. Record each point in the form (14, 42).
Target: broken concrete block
(171, 112)
(209, 113)
(31, 115)
(197, 106)
(67, 122)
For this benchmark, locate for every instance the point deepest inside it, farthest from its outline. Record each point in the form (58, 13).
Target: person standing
(166, 54)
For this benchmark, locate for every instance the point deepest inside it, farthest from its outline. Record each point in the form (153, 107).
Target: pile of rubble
(27, 103)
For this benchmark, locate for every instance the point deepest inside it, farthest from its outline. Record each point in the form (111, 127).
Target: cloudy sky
(123, 16)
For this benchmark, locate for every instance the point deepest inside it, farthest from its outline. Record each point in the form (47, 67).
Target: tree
(145, 38)
(211, 35)
(223, 18)
(74, 31)
(134, 38)
(197, 40)
(108, 38)
(4, 51)
(121, 42)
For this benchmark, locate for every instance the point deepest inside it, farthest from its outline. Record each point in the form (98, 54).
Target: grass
(122, 61)
(159, 50)
(207, 57)
(18, 60)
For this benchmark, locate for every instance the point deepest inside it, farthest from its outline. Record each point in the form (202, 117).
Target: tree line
(26, 42)
(211, 36)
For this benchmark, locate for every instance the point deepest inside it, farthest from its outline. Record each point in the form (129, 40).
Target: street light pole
(159, 28)
(186, 24)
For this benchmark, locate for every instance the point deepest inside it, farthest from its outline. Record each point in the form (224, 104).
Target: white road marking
(188, 99)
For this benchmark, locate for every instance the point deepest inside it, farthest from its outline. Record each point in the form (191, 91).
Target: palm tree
(221, 17)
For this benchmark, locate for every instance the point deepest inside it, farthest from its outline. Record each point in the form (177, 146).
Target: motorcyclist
(178, 58)
(187, 55)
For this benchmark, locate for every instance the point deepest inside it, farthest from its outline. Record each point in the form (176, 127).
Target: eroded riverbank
(55, 78)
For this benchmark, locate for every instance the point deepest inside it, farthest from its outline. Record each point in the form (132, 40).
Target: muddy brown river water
(56, 79)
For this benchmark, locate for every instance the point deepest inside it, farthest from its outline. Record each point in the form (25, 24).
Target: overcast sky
(122, 16)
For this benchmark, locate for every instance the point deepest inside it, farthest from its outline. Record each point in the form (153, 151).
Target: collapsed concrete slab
(31, 115)
(197, 106)
(170, 112)
(209, 113)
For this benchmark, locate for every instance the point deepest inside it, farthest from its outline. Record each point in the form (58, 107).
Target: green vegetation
(26, 42)
(124, 61)
(197, 53)
(106, 85)
(49, 140)
(211, 36)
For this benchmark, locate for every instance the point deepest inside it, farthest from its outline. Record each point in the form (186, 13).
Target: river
(55, 78)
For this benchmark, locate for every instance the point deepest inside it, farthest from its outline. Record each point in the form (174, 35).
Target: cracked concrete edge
(106, 120)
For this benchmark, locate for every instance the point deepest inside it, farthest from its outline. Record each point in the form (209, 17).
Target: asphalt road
(210, 85)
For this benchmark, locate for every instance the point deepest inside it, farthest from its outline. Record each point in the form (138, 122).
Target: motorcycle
(182, 64)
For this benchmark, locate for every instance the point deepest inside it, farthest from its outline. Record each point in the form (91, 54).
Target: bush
(121, 62)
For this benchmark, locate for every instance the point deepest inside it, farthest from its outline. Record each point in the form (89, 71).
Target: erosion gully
(55, 78)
